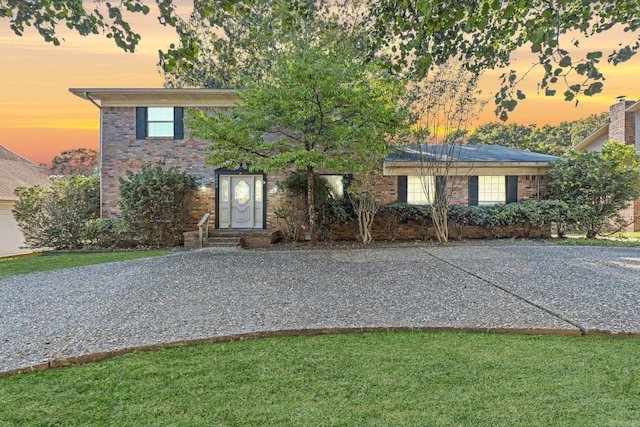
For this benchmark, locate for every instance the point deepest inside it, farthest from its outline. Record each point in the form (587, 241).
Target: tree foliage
(321, 106)
(156, 204)
(224, 44)
(554, 140)
(484, 34)
(105, 17)
(79, 161)
(56, 217)
(597, 185)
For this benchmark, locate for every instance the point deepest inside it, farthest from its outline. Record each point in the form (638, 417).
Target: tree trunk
(311, 202)
(440, 223)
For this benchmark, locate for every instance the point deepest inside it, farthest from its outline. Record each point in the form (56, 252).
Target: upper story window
(492, 190)
(160, 122)
(420, 190)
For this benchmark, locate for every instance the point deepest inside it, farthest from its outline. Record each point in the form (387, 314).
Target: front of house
(143, 126)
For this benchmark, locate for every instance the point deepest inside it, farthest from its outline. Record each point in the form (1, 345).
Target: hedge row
(531, 215)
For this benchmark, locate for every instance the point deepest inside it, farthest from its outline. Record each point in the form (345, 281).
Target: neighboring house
(623, 126)
(142, 126)
(15, 171)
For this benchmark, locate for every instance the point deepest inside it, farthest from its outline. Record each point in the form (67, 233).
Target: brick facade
(623, 128)
(121, 151)
(622, 124)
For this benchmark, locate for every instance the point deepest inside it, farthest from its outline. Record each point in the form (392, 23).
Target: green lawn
(58, 260)
(581, 241)
(390, 379)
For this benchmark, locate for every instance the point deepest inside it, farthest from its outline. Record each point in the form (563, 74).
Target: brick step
(222, 241)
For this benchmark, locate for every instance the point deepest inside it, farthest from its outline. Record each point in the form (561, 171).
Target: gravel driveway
(219, 292)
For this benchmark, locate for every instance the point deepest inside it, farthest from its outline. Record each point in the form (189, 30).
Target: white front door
(241, 202)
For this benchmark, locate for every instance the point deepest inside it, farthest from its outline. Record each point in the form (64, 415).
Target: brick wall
(414, 230)
(121, 152)
(531, 187)
(622, 125)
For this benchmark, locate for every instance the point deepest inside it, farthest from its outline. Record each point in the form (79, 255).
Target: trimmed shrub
(156, 204)
(461, 216)
(56, 217)
(107, 233)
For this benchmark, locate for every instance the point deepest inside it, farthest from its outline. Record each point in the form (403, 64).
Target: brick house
(623, 126)
(142, 126)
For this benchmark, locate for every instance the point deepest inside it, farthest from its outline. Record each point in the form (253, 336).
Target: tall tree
(597, 185)
(225, 43)
(484, 34)
(321, 106)
(441, 107)
(77, 161)
(105, 17)
(554, 140)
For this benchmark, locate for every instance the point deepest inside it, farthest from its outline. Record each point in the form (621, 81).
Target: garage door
(10, 235)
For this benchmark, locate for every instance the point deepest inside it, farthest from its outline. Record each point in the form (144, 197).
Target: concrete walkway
(215, 292)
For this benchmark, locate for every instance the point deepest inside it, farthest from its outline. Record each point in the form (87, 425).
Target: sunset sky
(39, 118)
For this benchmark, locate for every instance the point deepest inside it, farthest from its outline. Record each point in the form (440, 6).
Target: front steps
(249, 238)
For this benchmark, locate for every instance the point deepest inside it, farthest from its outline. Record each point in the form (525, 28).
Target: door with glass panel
(241, 202)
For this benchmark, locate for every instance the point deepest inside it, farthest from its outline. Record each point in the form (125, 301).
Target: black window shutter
(347, 179)
(402, 189)
(141, 122)
(178, 125)
(512, 189)
(473, 191)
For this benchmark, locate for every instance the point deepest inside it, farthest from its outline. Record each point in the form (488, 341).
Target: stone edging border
(95, 357)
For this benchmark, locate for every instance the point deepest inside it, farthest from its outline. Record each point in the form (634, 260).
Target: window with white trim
(420, 190)
(160, 122)
(492, 190)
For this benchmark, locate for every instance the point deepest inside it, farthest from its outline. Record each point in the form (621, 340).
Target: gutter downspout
(93, 101)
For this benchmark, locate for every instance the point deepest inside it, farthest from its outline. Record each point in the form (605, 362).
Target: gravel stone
(218, 292)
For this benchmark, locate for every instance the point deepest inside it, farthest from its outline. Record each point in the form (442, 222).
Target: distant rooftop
(16, 171)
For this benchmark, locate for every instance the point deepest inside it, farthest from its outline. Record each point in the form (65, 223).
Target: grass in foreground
(580, 241)
(361, 379)
(56, 261)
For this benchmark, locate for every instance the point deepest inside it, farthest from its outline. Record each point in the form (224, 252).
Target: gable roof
(601, 131)
(16, 171)
(468, 154)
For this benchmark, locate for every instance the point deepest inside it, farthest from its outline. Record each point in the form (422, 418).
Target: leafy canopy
(597, 185)
(105, 17)
(483, 34)
(77, 161)
(554, 140)
(320, 107)
(56, 217)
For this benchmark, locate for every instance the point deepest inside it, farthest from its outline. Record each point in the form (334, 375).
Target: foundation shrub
(56, 217)
(461, 216)
(108, 233)
(156, 204)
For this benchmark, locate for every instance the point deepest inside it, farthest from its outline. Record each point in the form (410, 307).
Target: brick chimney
(622, 125)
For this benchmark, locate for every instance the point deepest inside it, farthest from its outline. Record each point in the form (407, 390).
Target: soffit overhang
(151, 97)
